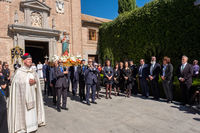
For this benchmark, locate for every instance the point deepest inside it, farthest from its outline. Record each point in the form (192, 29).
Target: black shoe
(58, 109)
(64, 108)
(110, 97)
(81, 100)
(88, 103)
(73, 93)
(169, 102)
(94, 102)
(183, 104)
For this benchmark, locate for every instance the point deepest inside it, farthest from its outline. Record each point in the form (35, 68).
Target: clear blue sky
(104, 8)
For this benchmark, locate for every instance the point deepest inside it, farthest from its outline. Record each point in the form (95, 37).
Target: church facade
(37, 26)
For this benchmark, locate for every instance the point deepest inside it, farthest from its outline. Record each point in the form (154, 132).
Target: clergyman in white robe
(39, 68)
(25, 105)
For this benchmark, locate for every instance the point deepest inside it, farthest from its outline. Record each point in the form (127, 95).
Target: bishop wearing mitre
(25, 105)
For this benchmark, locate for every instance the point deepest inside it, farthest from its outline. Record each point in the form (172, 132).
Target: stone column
(45, 20)
(27, 13)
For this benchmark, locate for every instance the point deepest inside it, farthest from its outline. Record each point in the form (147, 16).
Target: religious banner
(16, 52)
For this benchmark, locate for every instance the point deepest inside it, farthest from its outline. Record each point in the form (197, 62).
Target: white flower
(78, 56)
(55, 58)
(64, 58)
(73, 58)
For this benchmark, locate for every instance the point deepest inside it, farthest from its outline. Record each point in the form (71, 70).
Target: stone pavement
(121, 115)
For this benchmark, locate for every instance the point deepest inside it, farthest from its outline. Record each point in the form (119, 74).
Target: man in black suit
(91, 81)
(167, 78)
(143, 73)
(3, 109)
(134, 71)
(81, 70)
(52, 78)
(74, 76)
(154, 77)
(46, 72)
(61, 86)
(184, 73)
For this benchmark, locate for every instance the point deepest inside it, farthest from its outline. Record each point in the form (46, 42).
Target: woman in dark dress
(116, 77)
(108, 76)
(121, 78)
(127, 79)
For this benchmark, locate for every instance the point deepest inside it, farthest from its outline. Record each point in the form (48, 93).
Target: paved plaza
(121, 115)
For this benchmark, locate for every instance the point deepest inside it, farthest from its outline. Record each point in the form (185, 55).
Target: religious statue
(65, 43)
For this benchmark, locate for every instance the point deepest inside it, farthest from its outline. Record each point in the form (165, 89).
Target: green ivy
(161, 28)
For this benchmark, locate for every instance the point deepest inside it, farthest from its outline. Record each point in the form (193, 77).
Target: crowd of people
(124, 78)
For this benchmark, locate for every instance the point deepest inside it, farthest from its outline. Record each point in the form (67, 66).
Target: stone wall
(70, 21)
(89, 47)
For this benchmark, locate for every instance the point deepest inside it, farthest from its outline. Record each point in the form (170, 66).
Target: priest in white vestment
(25, 105)
(39, 70)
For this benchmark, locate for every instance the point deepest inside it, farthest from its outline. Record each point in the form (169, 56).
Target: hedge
(161, 28)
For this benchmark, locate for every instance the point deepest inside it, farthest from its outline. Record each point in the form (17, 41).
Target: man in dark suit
(184, 73)
(81, 71)
(68, 77)
(52, 79)
(3, 109)
(143, 73)
(91, 81)
(74, 76)
(61, 86)
(46, 71)
(134, 71)
(154, 77)
(167, 78)
(16, 65)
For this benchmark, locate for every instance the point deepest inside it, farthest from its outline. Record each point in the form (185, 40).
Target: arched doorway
(38, 50)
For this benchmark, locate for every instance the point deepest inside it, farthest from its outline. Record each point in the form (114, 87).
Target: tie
(141, 70)
(182, 67)
(151, 69)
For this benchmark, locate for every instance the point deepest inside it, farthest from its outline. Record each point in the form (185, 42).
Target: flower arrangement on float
(67, 60)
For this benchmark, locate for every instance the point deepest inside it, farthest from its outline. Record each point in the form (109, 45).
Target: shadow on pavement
(49, 102)
(197, 119)
(186, 109)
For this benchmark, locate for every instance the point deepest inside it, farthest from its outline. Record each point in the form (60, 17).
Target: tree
(126, 5)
